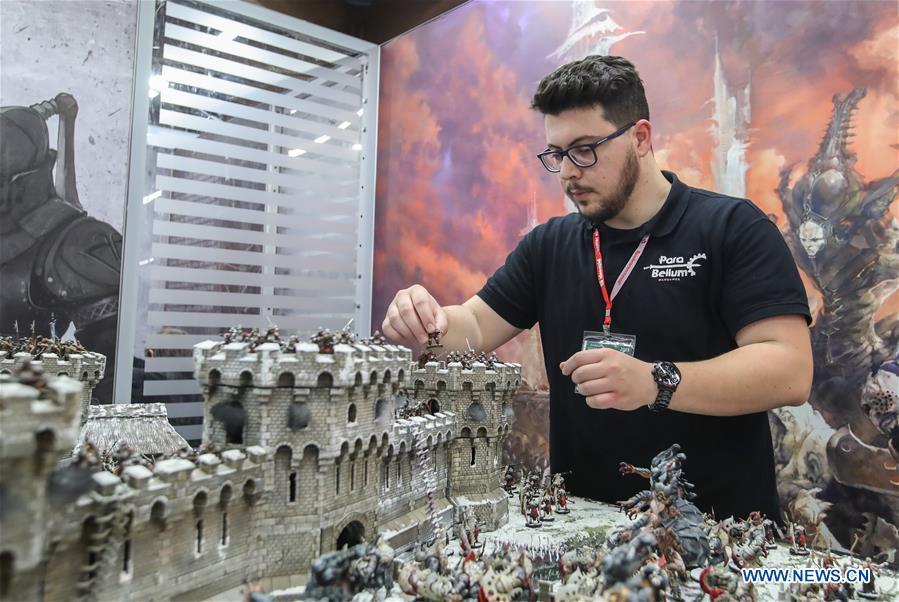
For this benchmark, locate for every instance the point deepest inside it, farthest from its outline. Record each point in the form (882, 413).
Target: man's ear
(643, 137)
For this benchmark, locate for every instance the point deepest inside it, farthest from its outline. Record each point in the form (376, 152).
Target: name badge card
(625, 343)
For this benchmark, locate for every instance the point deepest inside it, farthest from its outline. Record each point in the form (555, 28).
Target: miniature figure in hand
(432, 351)
(667, 314)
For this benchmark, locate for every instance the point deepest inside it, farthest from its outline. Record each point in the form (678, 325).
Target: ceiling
(373, 20)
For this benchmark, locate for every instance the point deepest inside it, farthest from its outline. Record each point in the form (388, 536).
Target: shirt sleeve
(511, 291)
(761, 279)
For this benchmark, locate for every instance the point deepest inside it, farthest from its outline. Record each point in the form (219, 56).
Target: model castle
(311, 452)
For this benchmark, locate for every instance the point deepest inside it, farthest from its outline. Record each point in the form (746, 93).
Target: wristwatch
(667, 377)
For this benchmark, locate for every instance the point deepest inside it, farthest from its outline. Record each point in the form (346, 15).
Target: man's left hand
(609, 379)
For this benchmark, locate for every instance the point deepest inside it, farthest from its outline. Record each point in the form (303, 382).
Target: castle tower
(481, 400)
(326, 419)
(36, 429)
(87, 367)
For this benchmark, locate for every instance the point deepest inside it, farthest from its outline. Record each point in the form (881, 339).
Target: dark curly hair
(610, 82)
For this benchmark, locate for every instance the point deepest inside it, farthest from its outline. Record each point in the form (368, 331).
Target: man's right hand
(413, 314)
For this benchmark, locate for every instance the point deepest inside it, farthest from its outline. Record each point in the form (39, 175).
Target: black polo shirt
(713, 265)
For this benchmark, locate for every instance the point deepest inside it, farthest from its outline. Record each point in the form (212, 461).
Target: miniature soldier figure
(432, 347)
(835, 591)
(562, 501)
(547, 506)
(345, 336)
(558, 481)
(532, 517)
(736, 531)
(534, 481)
(760, 521)
(434, 340)
(467, 360)
(717, 551)
(325, 341)
(272, 335)
(510, 477)
(869, 591)
(799, 540)
(426, 357)
(377, 338)
(772, 532)
(469, 530)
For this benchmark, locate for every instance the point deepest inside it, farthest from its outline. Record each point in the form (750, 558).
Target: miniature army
(668, 550)
(345, 461)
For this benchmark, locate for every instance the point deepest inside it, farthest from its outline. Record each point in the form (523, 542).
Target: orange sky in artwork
(456, 165)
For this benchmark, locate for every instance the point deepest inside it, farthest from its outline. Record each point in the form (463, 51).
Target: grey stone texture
(275, 494)
(89, 368)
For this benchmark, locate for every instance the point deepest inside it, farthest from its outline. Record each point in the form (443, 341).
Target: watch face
(667, 374)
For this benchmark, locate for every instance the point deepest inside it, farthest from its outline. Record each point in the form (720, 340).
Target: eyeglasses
(582, 155)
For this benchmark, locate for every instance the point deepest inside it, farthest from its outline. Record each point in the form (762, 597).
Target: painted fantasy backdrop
(791, 104)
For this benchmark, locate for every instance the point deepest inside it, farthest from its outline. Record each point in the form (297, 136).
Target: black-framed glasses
(582, 155)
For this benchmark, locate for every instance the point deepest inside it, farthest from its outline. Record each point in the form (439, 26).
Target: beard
(610, 206)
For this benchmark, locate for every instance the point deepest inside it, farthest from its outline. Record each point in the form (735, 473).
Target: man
(708, 301)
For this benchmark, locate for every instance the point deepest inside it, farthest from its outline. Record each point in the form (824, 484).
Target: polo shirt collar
(663, 222)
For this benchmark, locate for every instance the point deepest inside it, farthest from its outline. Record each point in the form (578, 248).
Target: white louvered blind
(259, 186)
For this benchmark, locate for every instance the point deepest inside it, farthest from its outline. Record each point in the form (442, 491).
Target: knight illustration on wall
(56, 262)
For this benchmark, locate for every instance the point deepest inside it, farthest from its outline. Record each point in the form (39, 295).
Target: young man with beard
(702, 318)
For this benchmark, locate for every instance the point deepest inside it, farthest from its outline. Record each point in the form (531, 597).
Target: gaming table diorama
(340, 467)
(374, 475)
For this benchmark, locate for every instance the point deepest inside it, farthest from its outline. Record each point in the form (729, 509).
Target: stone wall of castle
(402, 511)
(315, 459)
(482, 400)
(88, 368)
(36, 428)
(151, 535)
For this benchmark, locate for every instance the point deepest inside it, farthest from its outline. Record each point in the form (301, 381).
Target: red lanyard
(622, 277)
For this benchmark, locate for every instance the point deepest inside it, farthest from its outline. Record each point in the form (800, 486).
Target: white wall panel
(256, 206)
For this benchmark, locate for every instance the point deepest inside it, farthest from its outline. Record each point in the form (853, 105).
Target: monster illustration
(844, 237)
(55, 260)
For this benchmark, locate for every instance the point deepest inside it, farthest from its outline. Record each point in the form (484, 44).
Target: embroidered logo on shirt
(670, 269)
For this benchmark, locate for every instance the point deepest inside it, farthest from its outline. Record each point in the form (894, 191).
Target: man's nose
(568, 170)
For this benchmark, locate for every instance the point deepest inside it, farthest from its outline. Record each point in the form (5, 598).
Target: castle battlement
(169, 490)
(87, 366)
(33, 420)
(267, 363)
(503, 378)
(428, 425)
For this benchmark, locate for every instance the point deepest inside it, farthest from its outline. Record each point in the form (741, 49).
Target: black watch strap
(662, 400)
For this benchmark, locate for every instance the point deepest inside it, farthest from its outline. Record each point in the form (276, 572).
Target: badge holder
(625, 343)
